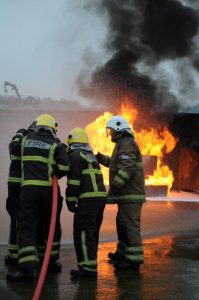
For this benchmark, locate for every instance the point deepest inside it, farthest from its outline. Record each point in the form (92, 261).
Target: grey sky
(44, 45)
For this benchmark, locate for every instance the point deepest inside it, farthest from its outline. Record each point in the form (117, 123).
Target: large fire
(154, 141)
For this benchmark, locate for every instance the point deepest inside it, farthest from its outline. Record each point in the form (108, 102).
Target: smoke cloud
(154, 46)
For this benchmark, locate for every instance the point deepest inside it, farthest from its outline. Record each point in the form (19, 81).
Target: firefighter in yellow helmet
(42, 156)
(86, 198)
(127, 189)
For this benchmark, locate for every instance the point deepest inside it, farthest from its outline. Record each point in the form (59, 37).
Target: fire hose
(42, 275)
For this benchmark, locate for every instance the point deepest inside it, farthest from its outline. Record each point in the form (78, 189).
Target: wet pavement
(171, 268)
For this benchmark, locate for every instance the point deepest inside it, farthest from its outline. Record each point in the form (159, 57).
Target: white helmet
(118, 123)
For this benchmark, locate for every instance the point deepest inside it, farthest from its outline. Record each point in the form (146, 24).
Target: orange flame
(154, 141)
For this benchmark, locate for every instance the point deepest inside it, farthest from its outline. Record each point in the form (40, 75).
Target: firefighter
(14, 187)
(86, 198)
(127, 189)
(42, 156)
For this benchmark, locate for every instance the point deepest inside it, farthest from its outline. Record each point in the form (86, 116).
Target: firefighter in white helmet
(86, 198)
(127, 189)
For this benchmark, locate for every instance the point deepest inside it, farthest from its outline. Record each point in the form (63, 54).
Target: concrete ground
(170, 272)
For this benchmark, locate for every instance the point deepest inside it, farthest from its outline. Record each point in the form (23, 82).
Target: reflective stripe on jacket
(126, 173)
(85, 180)
(15, 164)
(42, 155)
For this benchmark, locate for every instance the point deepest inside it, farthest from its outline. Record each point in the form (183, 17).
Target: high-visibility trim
(51, 161)
(123, 174)
(92, 194)
(139, 164)
(19, 133)
(71, 199)
(27, 249)
(36, 182)
(93, 179)
(37, 158)
(13, 255)
(15, 140)
(82, 155)
(63, 168)
(128, 197)
(22, 150)
(73, 182)
(12, 247)
(52, 253)
(55, 243)
(90, 269)
(14, 157)
(88, 171)
(14, 179)
(88, 263)
(28, 259)
(119, 180)
(135, 258)
(134, 249)
(84, 247)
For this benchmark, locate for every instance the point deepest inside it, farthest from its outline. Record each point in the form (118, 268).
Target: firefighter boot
(82, 273)
(126, 265)
(116, 257)
(11, 261)
(26, 275)
(54, 267)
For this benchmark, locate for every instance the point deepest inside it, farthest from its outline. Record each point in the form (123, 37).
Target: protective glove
(99, 157)
(21, 132)
(71, 206)
(64, 145)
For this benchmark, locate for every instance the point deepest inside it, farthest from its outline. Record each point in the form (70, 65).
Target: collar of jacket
(80, 146)
(44, 130)
(122, 134)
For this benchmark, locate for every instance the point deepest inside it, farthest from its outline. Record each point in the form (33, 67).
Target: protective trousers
(34, 215)
(87, 222)
(128, 230)
(11, 207)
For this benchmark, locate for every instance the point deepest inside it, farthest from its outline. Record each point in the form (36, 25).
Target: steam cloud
(152, 43)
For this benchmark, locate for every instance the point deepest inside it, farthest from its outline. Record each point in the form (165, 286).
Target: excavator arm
(13, 87)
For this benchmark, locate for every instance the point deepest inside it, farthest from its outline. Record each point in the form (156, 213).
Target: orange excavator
(13, 87)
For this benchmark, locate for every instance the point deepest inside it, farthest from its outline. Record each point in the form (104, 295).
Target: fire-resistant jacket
(42, 156)
(85, 180)
(14, 176)
(126, 173)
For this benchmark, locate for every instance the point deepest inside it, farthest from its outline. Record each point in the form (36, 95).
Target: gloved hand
(99, 156)
(71, 206)
(64, 145)
(21, 131)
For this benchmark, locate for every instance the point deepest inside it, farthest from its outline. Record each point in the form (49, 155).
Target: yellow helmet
(46, 120)
(77, 135)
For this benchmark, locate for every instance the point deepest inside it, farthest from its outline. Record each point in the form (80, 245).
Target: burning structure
(150, 75)
(154, 144)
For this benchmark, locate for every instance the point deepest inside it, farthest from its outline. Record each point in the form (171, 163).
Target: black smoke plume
(146, 31)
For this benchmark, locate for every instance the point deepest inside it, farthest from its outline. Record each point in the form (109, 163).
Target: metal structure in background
(13, 87)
